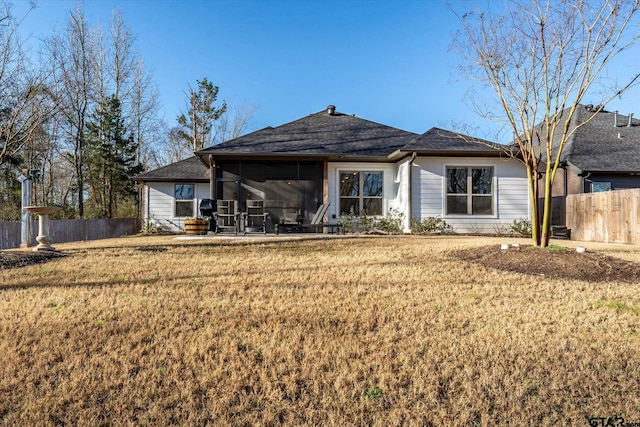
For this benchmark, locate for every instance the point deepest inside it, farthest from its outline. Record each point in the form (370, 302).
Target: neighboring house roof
(442, 142)
(191, 170)
(600, 145)
(321, 134)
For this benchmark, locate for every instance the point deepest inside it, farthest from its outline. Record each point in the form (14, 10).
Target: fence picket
(611, 216)
(71, 230)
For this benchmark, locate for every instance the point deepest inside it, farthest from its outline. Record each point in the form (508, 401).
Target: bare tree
(541, 58)
(174, 147)
(144, 102)
(171, 147)
(227, 128)
(24, 95)
(123, 58)
(73, 55)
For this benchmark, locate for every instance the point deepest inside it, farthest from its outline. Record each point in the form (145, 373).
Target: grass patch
(374, 392)
(618, 306)
(362, 331)
(551, 248)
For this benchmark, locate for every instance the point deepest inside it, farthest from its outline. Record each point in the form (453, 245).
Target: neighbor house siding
(618, 181)
(160, 210)
(334, 169)
(511, 199)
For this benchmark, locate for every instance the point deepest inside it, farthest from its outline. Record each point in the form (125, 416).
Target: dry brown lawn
(351, 331)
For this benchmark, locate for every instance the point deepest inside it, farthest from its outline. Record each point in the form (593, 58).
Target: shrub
(390, 223)
(500, 229)
(521, 226)
(430, 225)
(353, 223)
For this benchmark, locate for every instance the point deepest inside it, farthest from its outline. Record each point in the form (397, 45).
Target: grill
(207, 208)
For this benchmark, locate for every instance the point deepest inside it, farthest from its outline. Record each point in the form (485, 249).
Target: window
(361, 193)
(184, 195)
(597, 187)
(469, 190)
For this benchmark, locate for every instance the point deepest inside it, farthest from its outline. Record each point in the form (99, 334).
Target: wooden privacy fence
(610, 216)
(71, 230)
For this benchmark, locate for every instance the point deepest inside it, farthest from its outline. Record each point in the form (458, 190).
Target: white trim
(334, 170)
(360, 197)
(194, 200)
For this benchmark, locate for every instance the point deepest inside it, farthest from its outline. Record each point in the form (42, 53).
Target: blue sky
(385, 61)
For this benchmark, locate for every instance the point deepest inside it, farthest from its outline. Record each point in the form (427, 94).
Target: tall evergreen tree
(111, 157)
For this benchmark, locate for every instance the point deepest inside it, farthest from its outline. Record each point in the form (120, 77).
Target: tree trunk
(547, 214)
(532, 176)
(79, 162)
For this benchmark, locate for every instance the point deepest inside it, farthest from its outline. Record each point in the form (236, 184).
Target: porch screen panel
(290, 190)
(310, 180)
(228, 178)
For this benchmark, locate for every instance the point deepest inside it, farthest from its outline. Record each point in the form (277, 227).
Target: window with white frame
(184, 200)
(361, 192)
(470, 190)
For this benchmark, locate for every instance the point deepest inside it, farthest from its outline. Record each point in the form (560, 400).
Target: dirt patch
(554, 263)
(23, 258)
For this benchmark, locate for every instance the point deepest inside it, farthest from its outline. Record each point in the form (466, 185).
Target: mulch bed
(554, 263)
(15, 259)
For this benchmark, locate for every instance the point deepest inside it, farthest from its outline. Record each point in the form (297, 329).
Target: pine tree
(197, 125)
(111, 159)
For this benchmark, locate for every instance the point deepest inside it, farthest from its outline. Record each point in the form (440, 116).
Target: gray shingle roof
(443, 141)
(320, 134)
(328, 135)
(600, 146)
(191, 169)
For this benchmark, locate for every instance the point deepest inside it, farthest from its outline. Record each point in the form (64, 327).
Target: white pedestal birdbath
(44, 240)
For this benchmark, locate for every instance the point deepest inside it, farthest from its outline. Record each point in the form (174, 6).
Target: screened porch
(287, 191)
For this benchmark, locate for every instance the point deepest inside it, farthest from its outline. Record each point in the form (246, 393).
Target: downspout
(147, 209)
(585, 178)
(409, 190)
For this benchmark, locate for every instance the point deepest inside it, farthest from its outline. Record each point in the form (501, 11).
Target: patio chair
(226, 216)
(560, 232)
(255, 218)
(316, 222)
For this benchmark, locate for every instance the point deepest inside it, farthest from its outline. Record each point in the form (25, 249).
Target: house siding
(511, 201)
(160, 209)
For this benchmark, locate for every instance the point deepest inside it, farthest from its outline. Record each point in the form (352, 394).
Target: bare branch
(541, 59)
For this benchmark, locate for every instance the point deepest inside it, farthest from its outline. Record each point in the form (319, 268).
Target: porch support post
(407, 219)
(212, 178)
(325, 182)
